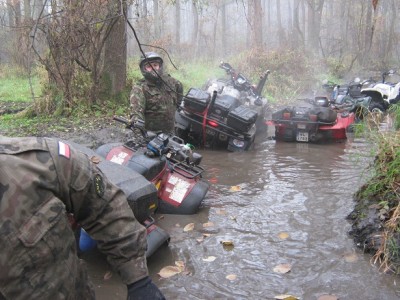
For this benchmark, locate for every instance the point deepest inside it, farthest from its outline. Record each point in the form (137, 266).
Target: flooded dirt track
(280, 204)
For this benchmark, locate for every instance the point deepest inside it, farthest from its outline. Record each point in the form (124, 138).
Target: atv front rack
(184, 169)
(229, 131)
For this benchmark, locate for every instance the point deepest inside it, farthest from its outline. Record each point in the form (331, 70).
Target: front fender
(181, 122)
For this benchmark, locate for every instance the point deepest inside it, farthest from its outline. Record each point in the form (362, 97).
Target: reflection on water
(302, 191)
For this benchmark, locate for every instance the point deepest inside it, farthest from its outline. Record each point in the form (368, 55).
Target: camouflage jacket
(156, 103)
(40, 181)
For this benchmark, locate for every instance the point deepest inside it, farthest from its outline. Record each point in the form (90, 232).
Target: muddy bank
(91, 131)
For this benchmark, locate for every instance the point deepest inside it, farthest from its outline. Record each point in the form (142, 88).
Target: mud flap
(156, 237)
(181, 122)
(191, 203)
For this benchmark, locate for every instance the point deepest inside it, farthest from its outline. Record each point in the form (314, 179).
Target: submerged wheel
(182, 133)
(376, 108)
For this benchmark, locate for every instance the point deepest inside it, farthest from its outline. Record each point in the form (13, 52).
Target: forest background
(86, 52)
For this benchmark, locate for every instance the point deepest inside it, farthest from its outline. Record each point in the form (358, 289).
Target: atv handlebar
(132, 125)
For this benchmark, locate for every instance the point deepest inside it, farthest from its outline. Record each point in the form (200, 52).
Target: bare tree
(255, 23)
(315, 8)
(115, 63)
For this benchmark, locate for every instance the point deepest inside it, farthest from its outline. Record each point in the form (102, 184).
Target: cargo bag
(196, 100)
(326, 115)
(223, 105)
(242, 118)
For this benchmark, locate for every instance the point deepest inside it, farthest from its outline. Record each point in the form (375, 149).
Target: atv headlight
(238, 143)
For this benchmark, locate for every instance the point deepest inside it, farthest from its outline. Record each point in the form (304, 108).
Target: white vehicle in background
(383, 94)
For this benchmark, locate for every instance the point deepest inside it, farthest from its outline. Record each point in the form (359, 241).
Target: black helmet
(149, 57)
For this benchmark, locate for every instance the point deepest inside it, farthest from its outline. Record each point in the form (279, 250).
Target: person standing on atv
(157, 96)
(43, 181)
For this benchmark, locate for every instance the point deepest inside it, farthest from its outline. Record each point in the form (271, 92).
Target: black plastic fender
(192, 201)
(181, 122)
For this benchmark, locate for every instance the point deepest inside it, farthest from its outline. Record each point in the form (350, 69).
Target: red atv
(158, 173)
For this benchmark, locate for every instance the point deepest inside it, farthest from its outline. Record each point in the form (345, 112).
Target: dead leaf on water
(327, 297)
(227, 243)
(180, 264)
(200, 240)
(282, 268)
(286, 297)
(221, 212)
(208, 224)
(188, 227)
(235, 188)
(207, 234)
(209, 259)
(232, 218)
(108, 275)
(351, 257)
(231, 277)
(169, 271)
(283, 235)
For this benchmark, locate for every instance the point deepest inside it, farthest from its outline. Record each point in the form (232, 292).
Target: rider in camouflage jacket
(41, 180)
(157, 96)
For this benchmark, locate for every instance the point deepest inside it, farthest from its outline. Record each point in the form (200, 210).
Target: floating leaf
(209, 259)
(221, 212)
(180, 264)
(235, 188)
(200, 240)
(232, 218)
(208, 224)
(227, 243)
(169, 271)
(327, 297)
(286, 297)
(282, 268)
(108, 275)
(231, 277)
(351, 257)
(207, 234)
(188, 227)
(283, 235)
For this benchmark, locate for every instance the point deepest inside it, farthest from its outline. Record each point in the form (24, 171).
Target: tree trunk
(157, 23)
(281, 31)
(195, 28)
(27, 10)
(224, 40)
(314, 23)
(298, 34)
(115, 63)
(177, 23)
(256, 17)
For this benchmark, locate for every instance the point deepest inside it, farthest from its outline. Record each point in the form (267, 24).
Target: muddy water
(281, 203)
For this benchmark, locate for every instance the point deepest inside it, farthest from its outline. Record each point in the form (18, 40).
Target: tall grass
(383, 188)
(15, 85)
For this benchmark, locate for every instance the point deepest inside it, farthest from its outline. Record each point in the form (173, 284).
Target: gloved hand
(144, 289)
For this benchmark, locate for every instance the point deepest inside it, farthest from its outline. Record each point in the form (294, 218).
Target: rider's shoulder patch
(99, 185)
(64, 150)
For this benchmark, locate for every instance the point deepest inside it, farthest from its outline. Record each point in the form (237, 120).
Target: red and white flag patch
(63, 149)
